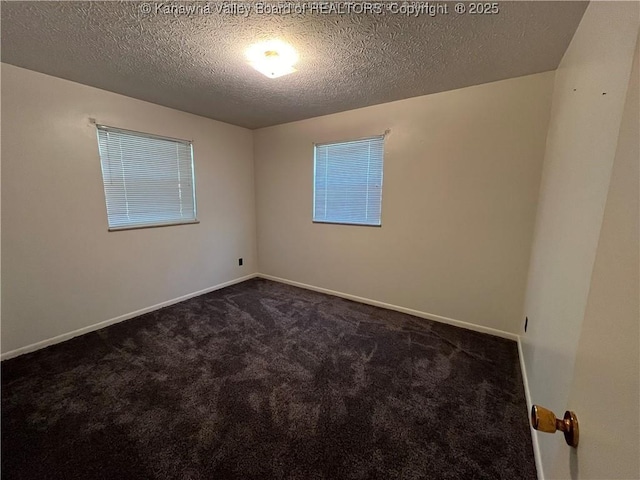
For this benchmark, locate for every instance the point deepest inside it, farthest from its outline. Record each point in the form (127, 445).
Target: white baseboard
(388, 306)
(437, 318)
(97, 326)
(527, 394)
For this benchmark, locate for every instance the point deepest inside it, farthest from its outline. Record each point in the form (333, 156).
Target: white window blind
(348, 182)
(148, 180)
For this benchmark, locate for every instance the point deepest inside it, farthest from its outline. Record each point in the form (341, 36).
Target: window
(348, 182)
(148, 180)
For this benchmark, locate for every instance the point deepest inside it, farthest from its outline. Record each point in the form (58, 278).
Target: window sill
(351, 224)
(155, 225)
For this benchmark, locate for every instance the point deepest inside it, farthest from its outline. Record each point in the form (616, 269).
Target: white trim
(441, 319)
(527, 394)
(97, 326)
(388, 306)
(437, 318)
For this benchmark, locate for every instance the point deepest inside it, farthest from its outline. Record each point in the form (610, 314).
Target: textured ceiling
(195, 62)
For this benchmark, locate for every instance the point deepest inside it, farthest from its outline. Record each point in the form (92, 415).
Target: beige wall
(581, 146)
(461, 177)
(605, 389)
(462, 171)
(62, 270)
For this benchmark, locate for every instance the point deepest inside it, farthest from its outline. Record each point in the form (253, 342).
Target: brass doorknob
(545, 420)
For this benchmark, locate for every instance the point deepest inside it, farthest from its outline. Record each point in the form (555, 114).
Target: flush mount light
(272, 58)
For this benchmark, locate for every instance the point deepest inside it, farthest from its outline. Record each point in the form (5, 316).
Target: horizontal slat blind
(348, 182)
(148, 180)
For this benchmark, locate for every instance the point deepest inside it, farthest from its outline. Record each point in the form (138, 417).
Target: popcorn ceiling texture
(196, 63)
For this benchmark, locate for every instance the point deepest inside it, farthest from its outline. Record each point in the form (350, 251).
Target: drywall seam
(388, 306)
(97, 326)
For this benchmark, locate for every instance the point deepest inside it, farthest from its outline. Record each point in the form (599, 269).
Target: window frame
(159, 224)
(353, 140)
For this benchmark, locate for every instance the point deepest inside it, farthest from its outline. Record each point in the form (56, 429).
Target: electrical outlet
(240, 262)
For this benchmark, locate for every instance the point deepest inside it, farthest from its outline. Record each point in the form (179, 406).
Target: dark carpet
(262, 380)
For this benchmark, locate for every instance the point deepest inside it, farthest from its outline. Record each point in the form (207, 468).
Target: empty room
(320, 240)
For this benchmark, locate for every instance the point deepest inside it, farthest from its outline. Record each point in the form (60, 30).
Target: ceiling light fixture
(272, 58)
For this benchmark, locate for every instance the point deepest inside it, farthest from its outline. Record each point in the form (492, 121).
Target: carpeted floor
(262, 380)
